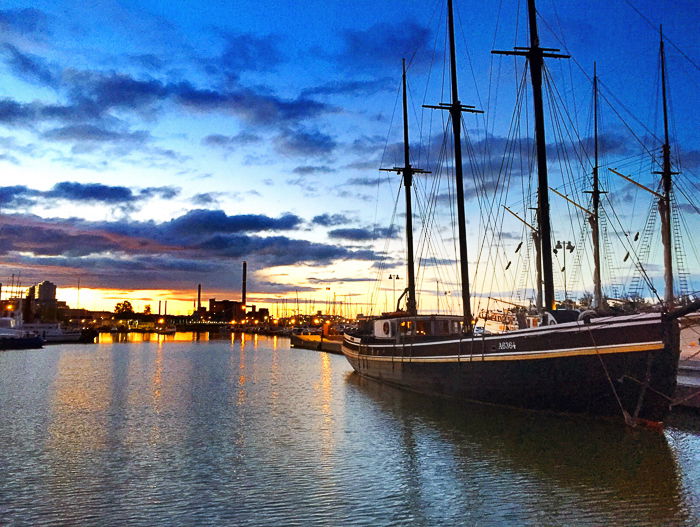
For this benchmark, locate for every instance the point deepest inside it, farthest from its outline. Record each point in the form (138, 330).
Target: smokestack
(199, 297)
(166, 308)
(159, 301)
(245, 272)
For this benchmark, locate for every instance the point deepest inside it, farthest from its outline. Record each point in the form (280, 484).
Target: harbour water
(243, 430)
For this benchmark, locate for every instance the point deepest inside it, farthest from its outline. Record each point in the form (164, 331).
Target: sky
(148, 147)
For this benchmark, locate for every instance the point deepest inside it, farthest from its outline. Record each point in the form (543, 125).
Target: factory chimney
(243, 287)
(199, 297)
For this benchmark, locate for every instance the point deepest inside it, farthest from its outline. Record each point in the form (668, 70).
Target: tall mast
(408, 181)
(535, 56)
(456, 108)
(665, 201)
(597, 287)
(407, 170)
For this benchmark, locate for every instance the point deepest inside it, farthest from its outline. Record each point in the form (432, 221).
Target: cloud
(358, 235)
(356, 88)
(166, 192)
(167, 255)
(330, 220)
(204, 198)
(201, 221)
(310, 169)
(231, 142)
(92, 133)
(17, 196)
(303, 142)
(20, 196)
(690, 158)
(365, 181)
(26, 21)
(278, 250)
(92, 95)
(246, 52)
(29, 67)
(96, 192)
(384, 45)
(254, 107)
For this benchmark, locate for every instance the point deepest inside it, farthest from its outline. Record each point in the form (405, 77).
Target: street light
(393, 278)
(566, 246)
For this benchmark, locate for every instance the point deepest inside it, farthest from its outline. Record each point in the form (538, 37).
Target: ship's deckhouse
(424, 326)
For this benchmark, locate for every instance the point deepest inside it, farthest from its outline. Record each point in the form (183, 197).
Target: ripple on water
(249, 432)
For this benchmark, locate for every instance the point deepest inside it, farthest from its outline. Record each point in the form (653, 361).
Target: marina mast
(535, 56)
(455, 107)
(595, 223)
(666, 185)
(407, 170)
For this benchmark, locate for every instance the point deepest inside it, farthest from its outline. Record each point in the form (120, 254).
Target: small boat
(53, 333)
(17, 341)
(620, 367)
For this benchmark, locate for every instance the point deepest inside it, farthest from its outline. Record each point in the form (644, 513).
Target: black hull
(20, 343)
(618, 367)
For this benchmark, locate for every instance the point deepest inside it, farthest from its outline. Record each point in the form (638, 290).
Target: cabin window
(422, 327)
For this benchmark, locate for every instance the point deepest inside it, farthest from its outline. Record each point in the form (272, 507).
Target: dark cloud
(368, 145)
(309, 169)
(27, 21)
(384, 45)
(330, 220)
(90, 192)
(159, 192)
(278, 250)
(254, 107)
(17, 196)
(21, 196)
(29, 67)
(689, 208)
(204, 198)
(365, 181)
(231, 142)
(92, 133)
(361, 234)
(355, 88)
(166, 255)
(303, 142)
(201, 221)
(92, 95)
(116, 90)
(12, 112)
(691, 159)
(247, 52)
(148, 61)
(315, 280)
(504, 235)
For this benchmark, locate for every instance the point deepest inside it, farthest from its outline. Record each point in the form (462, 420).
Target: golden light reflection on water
(324, 389)
(81, 398)
(241, 392)
(157, 379)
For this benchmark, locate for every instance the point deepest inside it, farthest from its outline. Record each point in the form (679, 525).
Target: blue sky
(155, 145)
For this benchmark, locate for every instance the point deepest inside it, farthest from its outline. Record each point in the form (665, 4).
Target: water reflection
(249, 432)
(597, 473)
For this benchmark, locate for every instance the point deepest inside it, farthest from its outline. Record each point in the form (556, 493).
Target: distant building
(225, 310)
(45, 291)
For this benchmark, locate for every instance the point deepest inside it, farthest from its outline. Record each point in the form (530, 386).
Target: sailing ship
(581, 363)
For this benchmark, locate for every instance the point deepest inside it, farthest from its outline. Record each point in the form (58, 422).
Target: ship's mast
(456, 108)
(535, 56)
(595, 223)
(407, 170)
(408, 181)
(666, 184)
